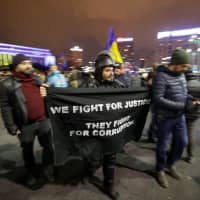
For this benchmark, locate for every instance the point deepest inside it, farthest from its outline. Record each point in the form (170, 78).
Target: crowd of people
(173, 88)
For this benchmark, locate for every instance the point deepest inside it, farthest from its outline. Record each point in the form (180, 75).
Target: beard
(28, 72)
(110, 78)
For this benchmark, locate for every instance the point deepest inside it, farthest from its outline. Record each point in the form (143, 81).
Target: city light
(23, 47)
(198, 49)
(76, 48)
(194, 36)
(166, 58)
(125, 39)
(31, 52)
(12, 49)
(176, 33)
(164, 62)
(30, 55)
(50, 60)
(188, 50)
(190, 40)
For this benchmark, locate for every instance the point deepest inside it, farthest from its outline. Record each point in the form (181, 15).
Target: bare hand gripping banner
(111, 116)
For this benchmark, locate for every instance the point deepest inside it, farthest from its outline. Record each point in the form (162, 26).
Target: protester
(55, 78)
(121, 75)
(104, 78)
(74, 78)
(23, 113)
(152, 137)
(170, 101)
(193, 85)
(104, 72)
(39, 70)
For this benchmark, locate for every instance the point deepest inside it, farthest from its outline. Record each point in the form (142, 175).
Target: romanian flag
(112, 47)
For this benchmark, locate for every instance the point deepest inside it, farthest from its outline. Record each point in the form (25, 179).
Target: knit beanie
(179, 57)
(17, 60)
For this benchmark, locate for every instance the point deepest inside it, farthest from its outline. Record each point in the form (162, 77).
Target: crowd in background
(174, 108)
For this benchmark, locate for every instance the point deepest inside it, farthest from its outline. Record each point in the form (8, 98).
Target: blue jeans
(175, 127)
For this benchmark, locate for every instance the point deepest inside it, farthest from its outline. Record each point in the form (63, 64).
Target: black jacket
(12, 103)
(93, 83)
(109, 84)
(169, 93)
(193, 85)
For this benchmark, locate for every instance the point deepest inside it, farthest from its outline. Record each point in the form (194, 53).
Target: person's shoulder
(8, 81)
(161, 74)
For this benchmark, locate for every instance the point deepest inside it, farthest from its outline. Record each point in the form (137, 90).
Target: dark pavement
(137, 184)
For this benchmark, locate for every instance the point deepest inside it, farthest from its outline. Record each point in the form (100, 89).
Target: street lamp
(76, 49)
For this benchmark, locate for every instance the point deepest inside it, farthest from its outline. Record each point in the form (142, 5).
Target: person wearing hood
(121, 75)
(23, 112)
(55, 78)
(171, 100)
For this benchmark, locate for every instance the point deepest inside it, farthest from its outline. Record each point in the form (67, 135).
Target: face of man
(108, 73)
(25, 67)
(117, 71)
(53, 68)
(181, 68)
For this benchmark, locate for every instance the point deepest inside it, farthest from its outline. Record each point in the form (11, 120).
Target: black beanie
(179, 57)
(17, 60)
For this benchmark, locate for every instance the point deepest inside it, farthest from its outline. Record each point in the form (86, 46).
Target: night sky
(60, 24)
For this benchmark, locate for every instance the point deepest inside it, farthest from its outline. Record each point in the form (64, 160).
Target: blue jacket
(56, 79)
(169, 93)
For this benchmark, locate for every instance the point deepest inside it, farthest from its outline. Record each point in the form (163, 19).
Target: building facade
(37, 55)
(188, 39)
(126, 48)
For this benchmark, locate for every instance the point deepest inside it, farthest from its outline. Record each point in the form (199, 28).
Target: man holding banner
(23, 111)
(92, 124)
(104, 76)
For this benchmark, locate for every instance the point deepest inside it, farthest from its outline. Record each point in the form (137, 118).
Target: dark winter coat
(12, 103)
(193, 85)
(170, 93)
